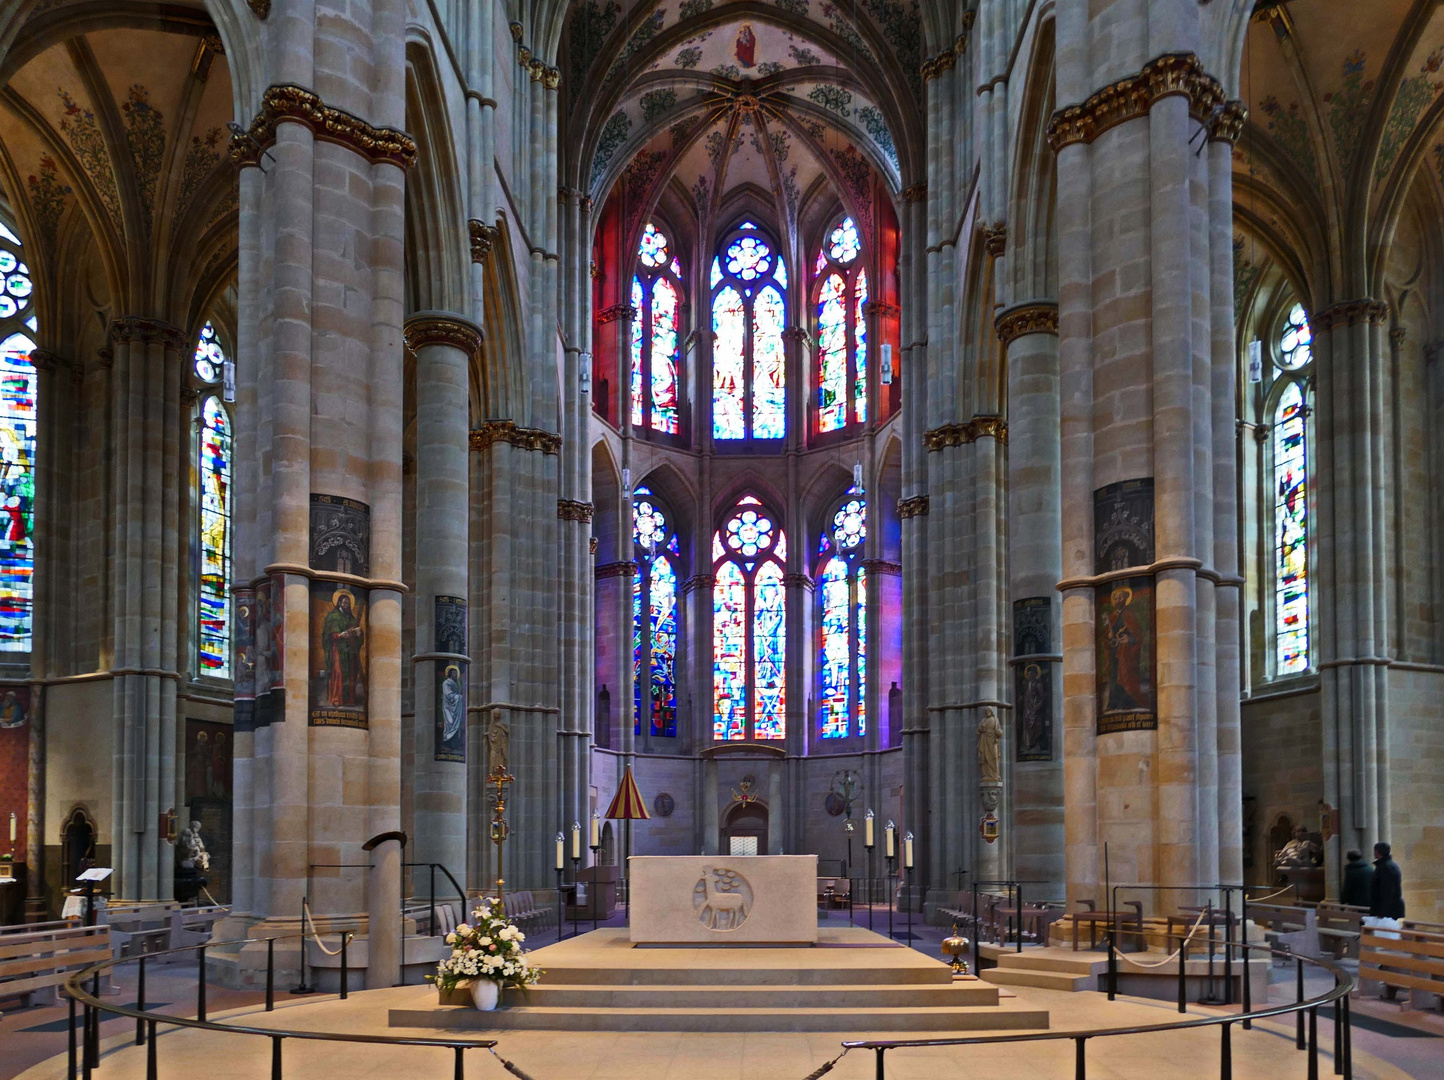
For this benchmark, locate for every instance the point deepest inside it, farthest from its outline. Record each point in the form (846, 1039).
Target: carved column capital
(1171, 74)
(443, 328)
(624, 312)
(915, 506)
(573, 510)
(625, 568)
(132, 329)
(798, 581)
(506, 431)
(1034, 318)
(287, 102)
(1349, 313)
(483, 237)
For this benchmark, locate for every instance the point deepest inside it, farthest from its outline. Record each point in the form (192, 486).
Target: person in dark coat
(1358, 881)
(1386, 893)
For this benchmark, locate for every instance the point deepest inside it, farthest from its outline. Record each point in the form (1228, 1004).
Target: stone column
(146, 422)
(1029, 333)
(1138, 354)
(445, 347)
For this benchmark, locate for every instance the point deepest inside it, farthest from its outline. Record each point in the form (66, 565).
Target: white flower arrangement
(489, 947)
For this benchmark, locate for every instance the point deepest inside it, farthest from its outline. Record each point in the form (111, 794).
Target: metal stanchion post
(1225, 1065)
(1299, 1039)
(561, 910)
(140, 1001)
(459, 1071)
(594, 895)
(1314, 1043)
(150, 1051)
(73, 1063)
(1080, 1068)
(201, 983)
(345, 968)
(1338, 1035)
(576, 892)
(1183, 975)
(270, 974)
(1244, 953)
(1210, 996)
(301, 987)
(1228, 946)
(275, 1057)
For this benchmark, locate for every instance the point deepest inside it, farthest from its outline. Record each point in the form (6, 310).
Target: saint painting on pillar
(338, 655)
(451, 712)
(1127, 700)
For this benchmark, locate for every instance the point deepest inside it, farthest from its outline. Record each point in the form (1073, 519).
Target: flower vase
(485, 993)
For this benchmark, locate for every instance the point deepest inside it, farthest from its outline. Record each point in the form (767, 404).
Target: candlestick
(908, 851)
(889, 834)
(596, 831)
(12, 828)
(561, 852)
(576, 839)
(867, 836)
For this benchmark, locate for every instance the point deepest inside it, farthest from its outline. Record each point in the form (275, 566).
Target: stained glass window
(749, 626)
(654, 618)
(18, 385)
(1291, 533)
(214, 618)
(841, 330)
(842, 621)
(749, 314)
(1296, 342)
(210, 358)
(655, 354)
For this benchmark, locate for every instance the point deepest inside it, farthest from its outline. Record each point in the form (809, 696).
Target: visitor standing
(1358, 881)
(1386, 893)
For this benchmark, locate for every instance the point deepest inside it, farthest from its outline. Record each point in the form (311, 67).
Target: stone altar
(724, 899)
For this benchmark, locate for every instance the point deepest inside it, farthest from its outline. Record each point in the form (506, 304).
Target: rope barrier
(306, 907)
(827, 1068)
(1270, 896)
(509, 1066)
(1181, 944)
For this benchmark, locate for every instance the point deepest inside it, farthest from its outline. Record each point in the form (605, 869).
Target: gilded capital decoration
(289, 102)
(1172, 74)
(260, 8)
(915, 193)
(979, 427)
(916, 506)
(1227, 122)
(506, 431)
(797, 335)
(573, 510)
(625, 568)
(1350, 313)
(483, 238)
(552, 78)
(944, 61)
(147, 332)
(882, 566)
(1396, 337)
(439, 329)
(515, 29)
(995, 238)
(617, 311)
(1026, 319)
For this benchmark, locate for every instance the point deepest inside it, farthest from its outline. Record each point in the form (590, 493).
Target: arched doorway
(77, 844)
(744, 831)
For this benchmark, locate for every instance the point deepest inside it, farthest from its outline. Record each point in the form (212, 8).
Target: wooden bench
(1093, 918)
(38, 960)
(1339, 926)
(1295, 929)
(194, 926)
(1402, 959)
(521, 909)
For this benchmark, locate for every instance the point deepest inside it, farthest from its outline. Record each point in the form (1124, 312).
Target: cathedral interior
(1016, 422)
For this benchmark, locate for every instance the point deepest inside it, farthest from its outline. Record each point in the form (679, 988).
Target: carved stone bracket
(797, 335)
(1350, 313)
(1129, 98)
(616, 311)
(261, 8)
(1037, 318)
(995, 238)
(289, 102)
(483, 238)
(915, 193)
(46, 360)
(944, 61)
(698, 581)
(882, 566)
(916, 506)
(1226, 124)
(979, 427)
(625, 568)
(438, 329)
(573, 510)
(147, 332)
(506, 431)
(798, 581)
(882, 309)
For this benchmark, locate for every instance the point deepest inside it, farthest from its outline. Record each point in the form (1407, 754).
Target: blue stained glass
(19, 385)
(663, 614)
(729, 645)
(862, 650)
(769, 366)
(769, 653)
(843, 243)
(859, 352)
(836, 661)
(1296, 342)
(831, 355)
(210, 358)
(728, 365)
(654, 620)
(780, 274)
(638, 300)
(716, 275)
(656, 302)
(652, 249)
(214, 646)
(749, 258)
(1291, 580)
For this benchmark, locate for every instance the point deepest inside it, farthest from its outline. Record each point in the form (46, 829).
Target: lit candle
(868, 840)
(576, 840)
(561, 852)
(12, 828)
(596, 830)
(908, 851)
(889, 833)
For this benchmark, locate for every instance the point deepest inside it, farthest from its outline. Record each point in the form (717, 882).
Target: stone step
(1047, 980)
(773, 997)
(761, 974)
(1002, 1017)
(1060, 965)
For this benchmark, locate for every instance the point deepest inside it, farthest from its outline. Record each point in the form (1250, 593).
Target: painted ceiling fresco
(168, 98)
(778, 99)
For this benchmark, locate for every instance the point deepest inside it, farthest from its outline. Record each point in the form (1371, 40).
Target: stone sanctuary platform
(851, 980)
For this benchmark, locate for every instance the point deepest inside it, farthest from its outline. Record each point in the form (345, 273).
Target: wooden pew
(1402, 959)
(38, 960)
(1339, 926)
(1293, 928)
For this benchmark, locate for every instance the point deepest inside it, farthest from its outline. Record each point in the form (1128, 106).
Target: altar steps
(851, 982)
(1048, 969)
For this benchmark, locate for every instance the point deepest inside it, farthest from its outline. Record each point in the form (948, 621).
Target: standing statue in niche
(196, 857)
(498, 741)
(990, 739)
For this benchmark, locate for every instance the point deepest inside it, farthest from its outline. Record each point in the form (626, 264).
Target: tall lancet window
(841, 297)
(749, 626)
(749, 314)
(18, 387)
(1291, 497)
(842, 600)
(213, 471)
(654, 618)
(656, 351)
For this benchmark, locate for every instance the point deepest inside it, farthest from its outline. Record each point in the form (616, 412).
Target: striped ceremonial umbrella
(627, 805)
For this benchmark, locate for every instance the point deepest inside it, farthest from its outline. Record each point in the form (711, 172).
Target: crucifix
(499, 828)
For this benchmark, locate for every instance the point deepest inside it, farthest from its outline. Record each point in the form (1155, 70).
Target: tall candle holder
(500, 830)
(869, 843)
(561, 869)
(594, 894)
(908, 880)
(889, 833)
